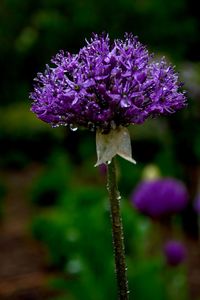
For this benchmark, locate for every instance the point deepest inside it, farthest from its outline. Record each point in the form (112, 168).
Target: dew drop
(119, 197)
(108, 162)
(73, 127)
(125, 103)
(54, 125)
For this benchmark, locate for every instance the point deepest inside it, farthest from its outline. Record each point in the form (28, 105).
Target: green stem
(117, 232)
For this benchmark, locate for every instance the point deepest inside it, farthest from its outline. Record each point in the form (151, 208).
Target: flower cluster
(106, 85)
(175, 252)
(156, 198)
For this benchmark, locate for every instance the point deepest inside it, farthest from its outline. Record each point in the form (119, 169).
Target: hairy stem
(117, 232)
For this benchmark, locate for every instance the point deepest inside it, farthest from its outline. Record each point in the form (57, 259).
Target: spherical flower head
(160, 197)
(175, 252)
(106, 85)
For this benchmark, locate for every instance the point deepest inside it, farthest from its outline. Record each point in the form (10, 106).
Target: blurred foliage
(76, 232)
(2, 195)
(47, 188)
(22, 137)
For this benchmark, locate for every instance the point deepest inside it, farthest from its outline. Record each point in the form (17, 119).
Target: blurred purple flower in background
(175, 252)
(159, 197)
(106, 85)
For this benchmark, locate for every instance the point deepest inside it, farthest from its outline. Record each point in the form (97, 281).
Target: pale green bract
(117, 141)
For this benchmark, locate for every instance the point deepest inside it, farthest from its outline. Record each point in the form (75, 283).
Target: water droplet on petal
(73, 127)
(125, 103)
(54, 125)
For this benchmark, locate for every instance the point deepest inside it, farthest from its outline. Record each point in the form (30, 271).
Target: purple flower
(156, 198)
(106, 85)
(175, 252)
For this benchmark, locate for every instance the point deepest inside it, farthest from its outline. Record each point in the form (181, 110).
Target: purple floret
(175, 252)
(160, 197)
(106, 85)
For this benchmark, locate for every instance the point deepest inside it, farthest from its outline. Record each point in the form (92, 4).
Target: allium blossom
(175, 252)
(106, 86)
(159, 197)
